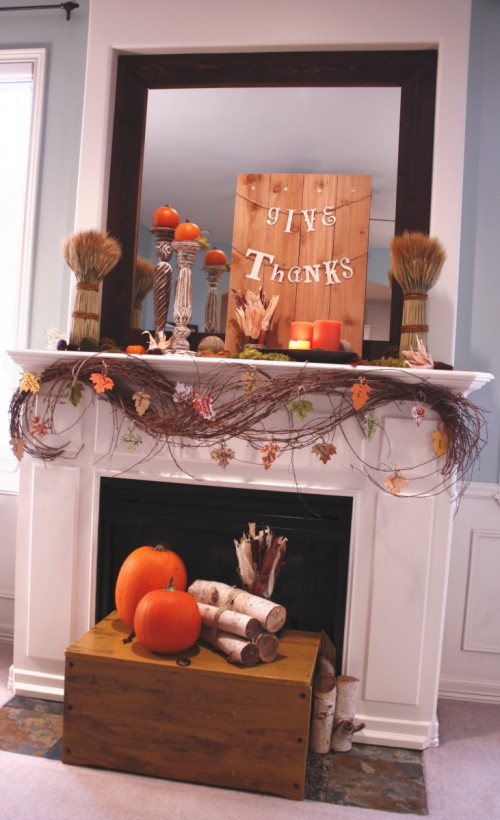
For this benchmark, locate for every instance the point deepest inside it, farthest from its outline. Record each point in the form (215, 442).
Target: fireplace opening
(201, 522)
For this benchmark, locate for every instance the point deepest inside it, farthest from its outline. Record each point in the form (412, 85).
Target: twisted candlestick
(183, 301)
(214, 274)
(163, 278)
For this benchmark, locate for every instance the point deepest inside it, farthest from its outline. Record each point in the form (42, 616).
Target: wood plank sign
(304, 238)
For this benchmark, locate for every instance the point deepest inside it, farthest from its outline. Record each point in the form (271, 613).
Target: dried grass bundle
(260, 556)
(143, 284)
(254, 312)
(417, 261)
(91, 255)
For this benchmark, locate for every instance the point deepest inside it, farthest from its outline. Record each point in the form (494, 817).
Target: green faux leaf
(76, 393)
(300, 408)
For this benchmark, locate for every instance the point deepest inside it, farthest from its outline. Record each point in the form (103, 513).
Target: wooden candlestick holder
(163, 279)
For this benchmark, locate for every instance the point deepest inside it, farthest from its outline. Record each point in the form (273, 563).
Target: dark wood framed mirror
(414, 72)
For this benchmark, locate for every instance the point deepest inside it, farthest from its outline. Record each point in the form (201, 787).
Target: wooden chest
(207, 722)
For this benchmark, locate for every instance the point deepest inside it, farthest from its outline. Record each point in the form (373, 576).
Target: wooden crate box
(209, 722)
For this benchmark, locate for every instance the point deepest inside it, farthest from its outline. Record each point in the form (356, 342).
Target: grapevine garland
(242, 401)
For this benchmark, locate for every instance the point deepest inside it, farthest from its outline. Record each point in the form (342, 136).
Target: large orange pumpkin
(145, 569)
(167, 620)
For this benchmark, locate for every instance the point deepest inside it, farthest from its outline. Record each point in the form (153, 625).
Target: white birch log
(345, 709)
(342, 733)
(271, 616)
(268, 645)
(327, 656)
(229, 621)
(325, 694)
(347, 697)
(237, 650)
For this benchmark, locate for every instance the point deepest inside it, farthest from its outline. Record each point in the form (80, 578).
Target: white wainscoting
(470, 668)
(8, 529)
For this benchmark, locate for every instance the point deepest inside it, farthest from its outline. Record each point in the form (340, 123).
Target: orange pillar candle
(299, 344)
(301, 331)
(326, 334)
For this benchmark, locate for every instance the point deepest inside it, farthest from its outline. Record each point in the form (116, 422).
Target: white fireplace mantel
(399, 551)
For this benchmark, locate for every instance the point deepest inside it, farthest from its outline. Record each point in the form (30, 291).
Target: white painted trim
(471, 690)
(37, 58)
(472, 594)
(39, 685)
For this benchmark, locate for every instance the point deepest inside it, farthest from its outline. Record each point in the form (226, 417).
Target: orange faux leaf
(395, 483)
(324, 451)
(101, 383)
(360, 392)
(269, 454)
(440, 441)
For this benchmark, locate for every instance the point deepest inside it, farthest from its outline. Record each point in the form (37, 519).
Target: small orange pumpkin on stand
(215, 257)
(145, 569)
(187, 231)
(166, 217)
(167, 620)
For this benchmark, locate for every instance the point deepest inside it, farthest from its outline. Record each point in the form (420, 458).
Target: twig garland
(216, 409)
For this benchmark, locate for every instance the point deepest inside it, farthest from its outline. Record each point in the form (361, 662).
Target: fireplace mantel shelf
(181, 365)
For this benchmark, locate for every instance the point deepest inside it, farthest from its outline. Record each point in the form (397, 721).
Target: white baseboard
(472, 690)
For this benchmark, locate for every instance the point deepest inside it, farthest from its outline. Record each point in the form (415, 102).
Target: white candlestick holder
(186, 251)
(214, 274)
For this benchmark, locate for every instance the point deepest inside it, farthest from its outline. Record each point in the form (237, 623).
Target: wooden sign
(303, 237)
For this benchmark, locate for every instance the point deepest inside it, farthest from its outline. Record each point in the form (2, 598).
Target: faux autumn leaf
(17, 445)
(324, 451)
(269, 454)
(395, 483)
(222, 454)
(38, 427)
(131, 440)
(30, 383)
(101, 383)
(371, 425)
(142, 400)
(300, 408)
(204, 406)
(440, 441)
(360, 392)
(76, 393)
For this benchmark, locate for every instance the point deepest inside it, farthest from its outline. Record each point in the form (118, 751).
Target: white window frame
(36, 58)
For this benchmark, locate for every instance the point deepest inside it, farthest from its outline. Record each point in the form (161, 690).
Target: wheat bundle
(417, 260)
(143, 284)
(90, 255)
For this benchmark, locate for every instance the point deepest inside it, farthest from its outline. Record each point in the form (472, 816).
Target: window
(21, 98)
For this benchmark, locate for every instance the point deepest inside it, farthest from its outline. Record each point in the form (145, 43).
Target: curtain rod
(68, 8)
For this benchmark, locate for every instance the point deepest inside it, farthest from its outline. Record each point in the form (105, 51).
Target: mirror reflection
(198, 140)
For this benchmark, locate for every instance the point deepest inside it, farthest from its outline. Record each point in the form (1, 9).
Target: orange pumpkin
(138, 349)
(187, 231)
(167, 620)
(166, 217)
(145, 569)
(215, 257)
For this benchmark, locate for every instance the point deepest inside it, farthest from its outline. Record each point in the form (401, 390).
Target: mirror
(411, 74)
(225, 131)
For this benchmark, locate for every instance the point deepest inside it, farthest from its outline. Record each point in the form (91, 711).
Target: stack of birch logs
(334, 704)
(241, 625)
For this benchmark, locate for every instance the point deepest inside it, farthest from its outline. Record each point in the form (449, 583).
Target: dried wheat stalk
(91, 255)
